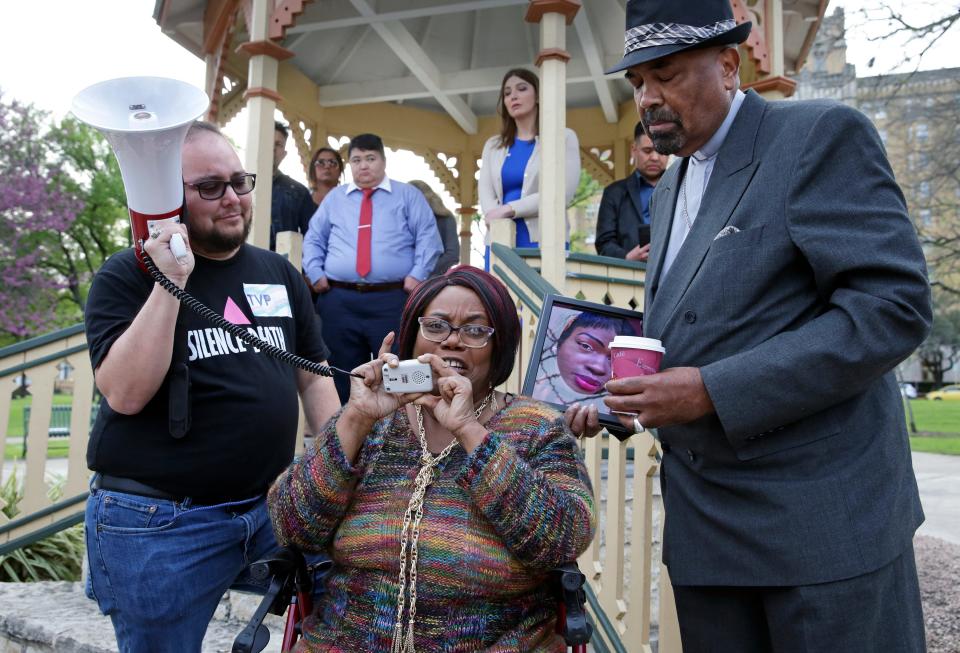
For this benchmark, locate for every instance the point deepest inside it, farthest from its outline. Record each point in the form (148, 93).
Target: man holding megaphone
(194, 424)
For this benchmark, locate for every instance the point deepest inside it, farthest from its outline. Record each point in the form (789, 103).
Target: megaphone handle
(178, 248)
(236, 331)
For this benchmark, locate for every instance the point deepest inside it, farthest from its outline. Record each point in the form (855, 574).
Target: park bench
(59, 422)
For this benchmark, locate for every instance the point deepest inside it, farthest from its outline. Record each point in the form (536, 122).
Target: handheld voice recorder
(408, 376)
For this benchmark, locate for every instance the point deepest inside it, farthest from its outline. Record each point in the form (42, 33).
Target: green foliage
(578, 243)
(58, 557)
(62, 213)
(586, 189)
(940, 352)
(34, 208)
(101, 228)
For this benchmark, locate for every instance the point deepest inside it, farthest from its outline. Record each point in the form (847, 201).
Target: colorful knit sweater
(495, 522)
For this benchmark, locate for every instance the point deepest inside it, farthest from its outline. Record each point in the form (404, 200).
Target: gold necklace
(411, 523)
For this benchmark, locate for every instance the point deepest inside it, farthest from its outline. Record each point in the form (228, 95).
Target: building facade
(918, 117)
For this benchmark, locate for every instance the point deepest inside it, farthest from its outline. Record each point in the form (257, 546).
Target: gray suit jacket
(796, 322)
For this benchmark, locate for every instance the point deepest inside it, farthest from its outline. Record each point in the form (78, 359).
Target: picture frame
(570, 360)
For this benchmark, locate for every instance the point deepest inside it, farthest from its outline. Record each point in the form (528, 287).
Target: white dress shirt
(694, 184)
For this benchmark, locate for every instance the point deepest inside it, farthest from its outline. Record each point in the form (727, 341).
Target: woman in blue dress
(509, 185)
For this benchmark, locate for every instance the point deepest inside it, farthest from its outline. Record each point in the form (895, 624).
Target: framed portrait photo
(570, 361)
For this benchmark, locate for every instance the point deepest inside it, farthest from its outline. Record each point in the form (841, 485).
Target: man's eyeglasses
(471, 335)
(214, 189)
(326, 163)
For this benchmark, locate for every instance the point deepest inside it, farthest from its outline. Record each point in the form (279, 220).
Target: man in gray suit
(786, 282)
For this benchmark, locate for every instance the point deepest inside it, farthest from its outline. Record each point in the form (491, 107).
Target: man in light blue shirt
(369, 244)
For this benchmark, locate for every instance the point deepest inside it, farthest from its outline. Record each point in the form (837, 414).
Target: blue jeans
(158, 568)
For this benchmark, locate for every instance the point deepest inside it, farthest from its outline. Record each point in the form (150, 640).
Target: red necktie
(363, 232)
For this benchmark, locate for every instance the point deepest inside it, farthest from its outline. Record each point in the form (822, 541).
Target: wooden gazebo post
(467, 165)
(553, 17)
(261, 97)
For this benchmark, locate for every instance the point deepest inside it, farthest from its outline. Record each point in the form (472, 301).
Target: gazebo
(424, 74)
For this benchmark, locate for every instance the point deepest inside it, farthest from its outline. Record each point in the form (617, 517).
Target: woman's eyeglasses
(326, 163)
(471, 335)
(214, 189)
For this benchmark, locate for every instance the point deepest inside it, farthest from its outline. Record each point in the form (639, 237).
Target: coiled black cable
(235, 330)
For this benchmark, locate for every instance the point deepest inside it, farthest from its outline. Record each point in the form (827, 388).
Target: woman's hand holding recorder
(452, 406)
(370, 400)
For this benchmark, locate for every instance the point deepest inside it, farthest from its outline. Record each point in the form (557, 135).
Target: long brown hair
(508, 126)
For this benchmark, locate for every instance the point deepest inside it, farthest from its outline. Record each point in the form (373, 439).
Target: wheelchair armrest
(280, 562)
(567, 581)
(255, 635)
(282, 568)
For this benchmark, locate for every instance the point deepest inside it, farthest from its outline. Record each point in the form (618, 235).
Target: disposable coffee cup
(635, 356)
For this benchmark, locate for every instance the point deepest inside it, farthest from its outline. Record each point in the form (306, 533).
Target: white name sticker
(268, 299)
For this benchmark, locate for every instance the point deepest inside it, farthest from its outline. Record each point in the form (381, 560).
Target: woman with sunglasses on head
(443, 512)
(509, 184)
(325, 173)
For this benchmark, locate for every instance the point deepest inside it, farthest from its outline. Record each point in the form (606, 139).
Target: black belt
(365, 287)
(130, 486)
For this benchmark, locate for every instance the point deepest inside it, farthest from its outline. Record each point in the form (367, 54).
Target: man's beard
(213, 241)
(664, 143)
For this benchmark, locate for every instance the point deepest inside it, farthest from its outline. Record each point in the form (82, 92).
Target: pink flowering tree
(34, 208)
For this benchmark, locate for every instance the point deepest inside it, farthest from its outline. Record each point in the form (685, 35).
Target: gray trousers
(879, 611)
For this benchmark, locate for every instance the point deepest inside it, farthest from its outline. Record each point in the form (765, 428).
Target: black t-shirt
(243, 402)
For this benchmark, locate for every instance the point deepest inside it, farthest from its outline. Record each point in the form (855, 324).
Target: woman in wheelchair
(443, 512)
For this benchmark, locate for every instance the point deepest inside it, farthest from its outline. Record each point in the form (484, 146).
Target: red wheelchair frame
(291, 587)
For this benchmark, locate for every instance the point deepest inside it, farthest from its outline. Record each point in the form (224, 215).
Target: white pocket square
(726, 231)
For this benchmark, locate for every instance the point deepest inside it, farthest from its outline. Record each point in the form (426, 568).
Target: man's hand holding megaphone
(164, 253)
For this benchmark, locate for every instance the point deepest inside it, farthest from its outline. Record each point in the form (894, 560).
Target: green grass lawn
(15, 423)
(950, 446)
(936, 416)
(13, 447)
(939, 422)
(58, 448)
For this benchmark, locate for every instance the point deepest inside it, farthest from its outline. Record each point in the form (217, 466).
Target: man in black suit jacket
(786, 282)
(623, 223)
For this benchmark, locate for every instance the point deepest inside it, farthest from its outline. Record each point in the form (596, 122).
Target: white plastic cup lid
(636, 342)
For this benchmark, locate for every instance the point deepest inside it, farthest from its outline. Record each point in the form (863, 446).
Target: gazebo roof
(444, 55)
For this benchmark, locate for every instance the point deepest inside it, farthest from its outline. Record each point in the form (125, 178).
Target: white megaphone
(145, 120)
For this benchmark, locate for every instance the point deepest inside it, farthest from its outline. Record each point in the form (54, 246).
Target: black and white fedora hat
(656, 28)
